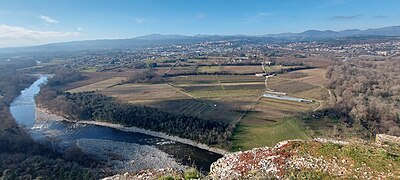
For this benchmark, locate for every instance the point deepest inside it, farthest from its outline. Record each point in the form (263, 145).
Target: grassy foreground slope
(248, 136)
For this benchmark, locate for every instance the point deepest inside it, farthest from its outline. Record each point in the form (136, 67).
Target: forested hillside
(368, 93)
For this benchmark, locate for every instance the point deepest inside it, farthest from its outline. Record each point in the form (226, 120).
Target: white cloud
(17, 36)
(263, 14)
(79, 29)
(201, 15)
(140, 20)
(16, 31)
(48, 19)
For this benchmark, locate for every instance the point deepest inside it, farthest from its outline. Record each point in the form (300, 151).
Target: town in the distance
(309, 105)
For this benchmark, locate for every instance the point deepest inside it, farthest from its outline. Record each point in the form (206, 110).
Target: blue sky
(29, 22)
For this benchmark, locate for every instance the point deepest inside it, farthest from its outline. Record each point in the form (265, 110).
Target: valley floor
(236, 99)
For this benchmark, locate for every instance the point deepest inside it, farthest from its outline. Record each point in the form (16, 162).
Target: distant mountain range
(316, 34)
(158, 39)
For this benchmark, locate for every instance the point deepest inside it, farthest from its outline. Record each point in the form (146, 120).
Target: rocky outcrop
(298, 159)
(384, 138)
(319, 158)
(268, 162)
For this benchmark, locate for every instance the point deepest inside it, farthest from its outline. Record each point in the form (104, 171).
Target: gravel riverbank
(128, 157)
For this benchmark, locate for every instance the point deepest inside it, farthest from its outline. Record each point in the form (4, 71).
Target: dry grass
(178, 70)
(161, 70)
(313, 76)
(242, 69)
(99, 86)
(93, 77)
(270, 110)
(293, 75)
(318, 93)
(307, 83)
(135, 93)
(208, 69)
(291, 87)
(194, 107)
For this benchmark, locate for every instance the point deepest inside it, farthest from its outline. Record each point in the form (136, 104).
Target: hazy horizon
(29, 23)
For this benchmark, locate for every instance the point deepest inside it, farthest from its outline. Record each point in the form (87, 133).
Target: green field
(250, 136)
(208, 69)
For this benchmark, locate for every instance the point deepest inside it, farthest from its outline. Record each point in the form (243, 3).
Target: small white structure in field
(288, 98)
(261, 74)
(264, 74)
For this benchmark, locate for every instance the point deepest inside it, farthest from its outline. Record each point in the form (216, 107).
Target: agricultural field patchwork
(229, 98)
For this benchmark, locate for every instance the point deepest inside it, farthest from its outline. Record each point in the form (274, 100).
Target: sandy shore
(46, 115)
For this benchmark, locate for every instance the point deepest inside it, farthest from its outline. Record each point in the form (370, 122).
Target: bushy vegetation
(146, 77)
(30, 165)
(11, 136)
(222, 72)
(64, 76)
(191, 173)
(368, 94)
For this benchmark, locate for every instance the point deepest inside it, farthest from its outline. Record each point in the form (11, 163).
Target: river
(62, 134)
